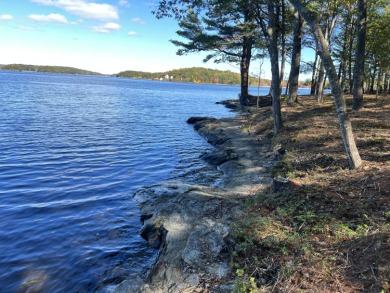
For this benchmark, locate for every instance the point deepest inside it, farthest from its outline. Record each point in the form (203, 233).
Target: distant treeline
(194, 74)
(51, 69)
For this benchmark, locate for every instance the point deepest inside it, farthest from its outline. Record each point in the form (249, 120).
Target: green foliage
(244, 284)
(377, 61)
(194, 74)
(51, 69)
(222, 27)
(378, 41)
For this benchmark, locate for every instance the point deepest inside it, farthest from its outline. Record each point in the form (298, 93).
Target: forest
(327, 228)
(45, 68)
(350, 40)
(195, 75)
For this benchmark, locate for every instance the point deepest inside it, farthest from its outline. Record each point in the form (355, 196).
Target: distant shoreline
(47, 69)
(194, 75)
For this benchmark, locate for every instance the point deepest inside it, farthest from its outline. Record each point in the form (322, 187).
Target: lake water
(73, 149)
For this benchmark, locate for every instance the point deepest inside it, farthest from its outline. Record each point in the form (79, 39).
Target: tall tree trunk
(358, 74)
(341, 108)
(272, 32)
(295, 60)
(244, 70)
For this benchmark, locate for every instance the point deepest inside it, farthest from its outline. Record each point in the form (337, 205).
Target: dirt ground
(329, 230)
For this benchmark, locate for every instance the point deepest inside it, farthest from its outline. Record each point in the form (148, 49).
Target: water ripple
(72, 151)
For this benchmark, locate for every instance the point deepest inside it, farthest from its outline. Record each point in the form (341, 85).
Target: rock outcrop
(190, 224)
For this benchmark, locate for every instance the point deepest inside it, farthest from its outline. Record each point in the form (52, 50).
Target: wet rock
(212, 137)
(190, 224)
(153, 234)
(230, 104)
(219, 157)
(145, 217)
(230, 168)
(195, 119)
(132, 285)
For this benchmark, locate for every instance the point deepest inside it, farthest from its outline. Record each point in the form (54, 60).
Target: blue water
(73, 149)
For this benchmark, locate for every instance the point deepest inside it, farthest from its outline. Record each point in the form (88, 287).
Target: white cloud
(138, 20)
(132, 34)
(123, 3)
(48, 18)
(6, 17)
(84, 8)
(106, 28)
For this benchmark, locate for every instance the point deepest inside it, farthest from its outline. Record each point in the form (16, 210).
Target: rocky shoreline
(190, 224)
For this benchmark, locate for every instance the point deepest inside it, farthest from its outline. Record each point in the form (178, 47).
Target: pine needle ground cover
(329, 230)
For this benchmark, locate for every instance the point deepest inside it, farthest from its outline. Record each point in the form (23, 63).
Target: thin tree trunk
(379, 81)
(373, 79)
(259, 85)
(343, 62)
(386, 83)
(320, 83)
(330, 24)
(340, 70)
(358, 76)
(272, 32)
(286, 89)
(351, 41)
(314, 75)
(343, 73)
(283, 41)
(324, 84)
(341, 108)
(295, 60)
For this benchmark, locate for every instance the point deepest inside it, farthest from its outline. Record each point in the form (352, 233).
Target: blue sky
(106, 36)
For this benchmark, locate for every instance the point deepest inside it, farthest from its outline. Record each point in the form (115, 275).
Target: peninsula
(47, 68)
(195, 75)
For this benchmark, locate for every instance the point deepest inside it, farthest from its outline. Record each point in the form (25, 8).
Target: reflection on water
(34, 281)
